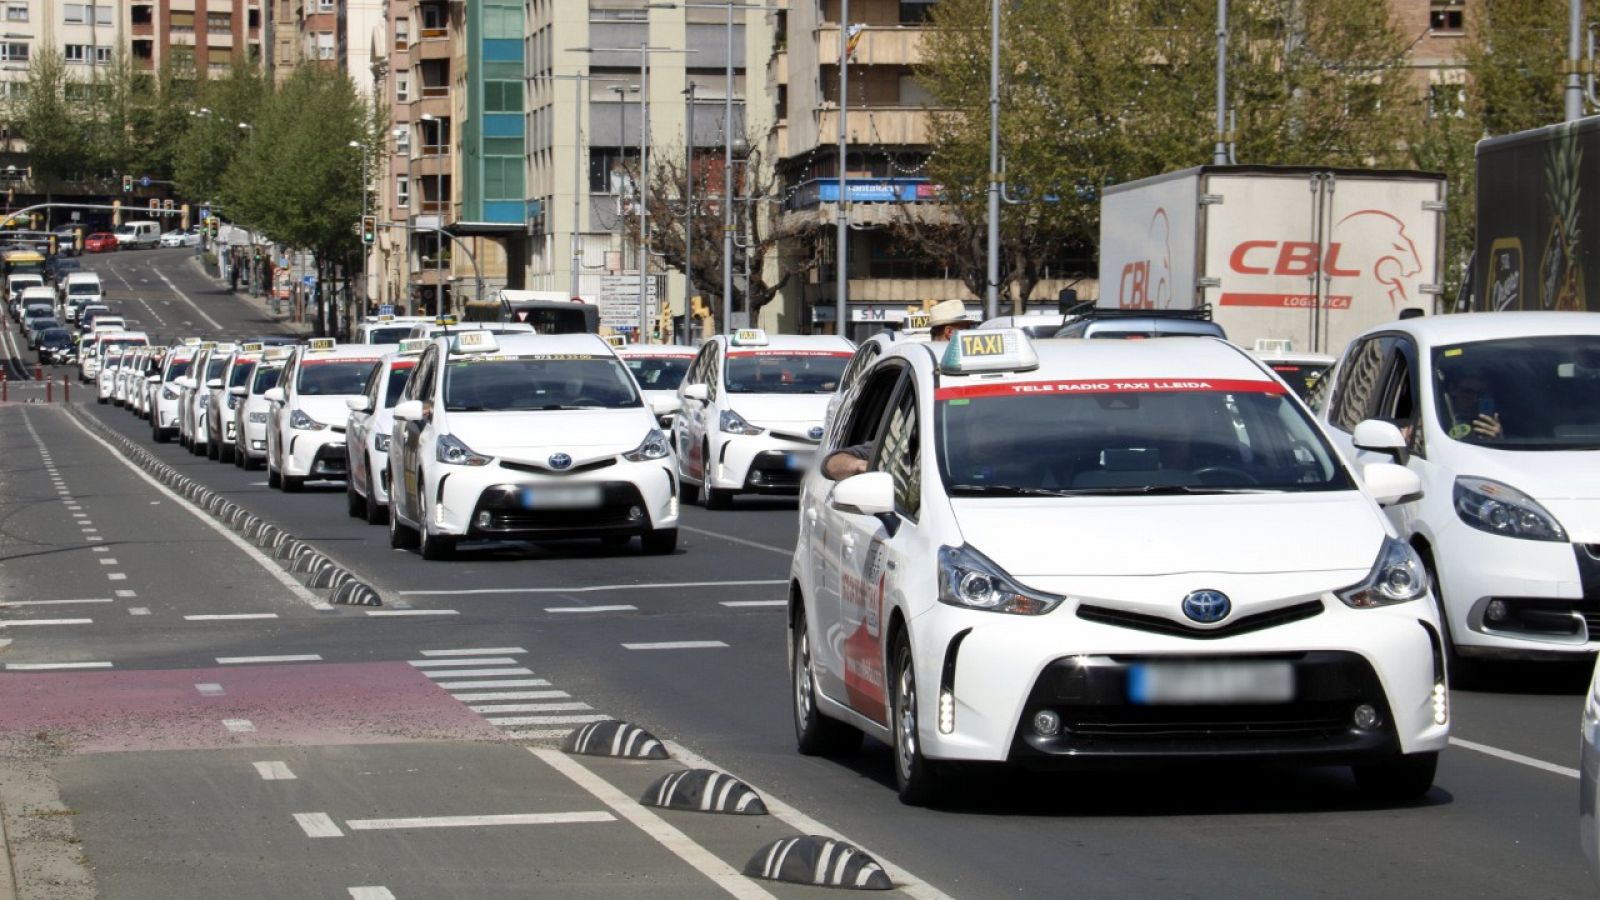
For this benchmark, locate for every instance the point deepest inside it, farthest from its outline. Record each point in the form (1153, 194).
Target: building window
(433, 18)
(402, 87)
(16, 12)
(181, 21)
(402, 140)
(325, 5)
(402, 190)
(402, 33)
(82, 53)
(1445, 17)
(611, 170)
(78, 14)
(325, 45)
(219, 21)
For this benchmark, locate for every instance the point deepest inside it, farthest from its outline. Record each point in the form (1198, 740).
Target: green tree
(213, 137)
(49, 119)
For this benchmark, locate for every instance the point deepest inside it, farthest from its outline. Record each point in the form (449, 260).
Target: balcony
(778, 67)
(429, 165)
(879, 125)
(434, 43)
(880, 45)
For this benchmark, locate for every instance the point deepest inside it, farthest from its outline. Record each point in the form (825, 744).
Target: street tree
(212, 137)
(49, 118)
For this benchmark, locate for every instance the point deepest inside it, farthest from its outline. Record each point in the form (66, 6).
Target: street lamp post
(841, 251)
(576, 243)
(991, 278)
(357, 145)
(688, 219)
(438, 253)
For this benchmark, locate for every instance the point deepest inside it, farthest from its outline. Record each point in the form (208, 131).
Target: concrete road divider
(704, 790)
(816, 860)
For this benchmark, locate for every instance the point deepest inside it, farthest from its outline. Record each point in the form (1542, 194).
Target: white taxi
(108, 345)
(221, 426)
(527, 437)
(386, 329)
(368, 433)
(305, 424)
(107, 373)
(1502, 415)
(659, 370)
(164, 390)
(751, 411)
(199, 391)
(143, 392)
(252, 409)
(1069, 552)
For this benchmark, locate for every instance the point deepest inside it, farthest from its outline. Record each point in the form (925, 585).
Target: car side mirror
(358, 403)
(408, 410)
(696, 392)
(1390, 484)
(275, 395)
(214, 384)
(1380, 436)
(867, 494)
(663, 405)
(239, 390)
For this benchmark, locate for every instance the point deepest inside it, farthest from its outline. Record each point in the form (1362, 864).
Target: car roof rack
(1089, 311)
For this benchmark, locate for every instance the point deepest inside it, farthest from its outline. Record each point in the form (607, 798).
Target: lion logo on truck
(1147, 283)
(1369, 243)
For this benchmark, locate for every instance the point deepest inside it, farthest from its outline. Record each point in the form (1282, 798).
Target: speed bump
(704, 790)
(614, 738)
(820, 861)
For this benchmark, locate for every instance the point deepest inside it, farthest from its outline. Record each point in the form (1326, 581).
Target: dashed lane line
(676, 645)
(1518, 758)
(472, 673)
(230, 617)
(487, 651)
(185, 297)
(380, 613)
(508, 683)
(239, 726)
(473, 661)
(274, 770)
(317, 825)
(247, 660)
(511, 695)
(595, 588)
(14, 622)
(743, 603)
(209, 689)
(554, 818)
(55, 602)
(590, 609)
(370, 892)
(47, 667)
(497, 708)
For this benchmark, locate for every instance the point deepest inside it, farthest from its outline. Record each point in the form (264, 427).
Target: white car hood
(328, 409)
(1245, 534)
(583, 434)
(789, 412)
(1566, 482)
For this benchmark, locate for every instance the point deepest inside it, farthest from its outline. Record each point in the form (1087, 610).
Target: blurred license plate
(577, 496)
(1198, 683)
(796, 461)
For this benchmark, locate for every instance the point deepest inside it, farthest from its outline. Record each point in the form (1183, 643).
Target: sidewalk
(261, 304)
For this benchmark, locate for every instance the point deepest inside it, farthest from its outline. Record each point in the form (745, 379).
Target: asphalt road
(166, 758)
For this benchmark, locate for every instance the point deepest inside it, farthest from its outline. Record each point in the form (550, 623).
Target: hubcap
(802, 679)
(906, 721)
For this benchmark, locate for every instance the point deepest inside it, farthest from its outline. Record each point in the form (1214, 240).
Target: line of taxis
(1060, 553)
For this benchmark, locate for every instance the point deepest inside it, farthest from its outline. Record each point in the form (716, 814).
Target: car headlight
(654, 446)
(169, 394)
(381, 442)
(259, 418)
(733, 423)
(1397, 577)
(1502, 509)
(303, 422)
(970, 579)
(451, 451)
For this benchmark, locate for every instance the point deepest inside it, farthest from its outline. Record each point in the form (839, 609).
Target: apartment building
(87, 36)
(339, 34)
(205, 36)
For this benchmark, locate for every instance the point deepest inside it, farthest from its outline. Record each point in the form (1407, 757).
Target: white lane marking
(412, 612)
(90, 531)
(209, 689)
(239, 660)
(786, 551)
(755, 603)
(94, 538)
(239, 726)
(10, 622)
(470, 673)
(597, 588)
(107, 561)
(512, 695)
(185, 297)
(1509, 756)
(484, 652)
(80, 515)
(541, 734)
(100, 550)
(509, 683)
(116, 576)
(552, 720)
(675, 841)
(573, 706)
(555, 818)
(295, 588)
(127, 593)
(274, 771)
(317, 825)
(590, 609)
(904, 881)
(56, 602)
(138, 610)
(370, 892)
(676, 645)
(230, 617)
(41, 667)
(481, 661)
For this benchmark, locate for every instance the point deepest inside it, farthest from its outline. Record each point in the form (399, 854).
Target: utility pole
(841, 250)
(1219, 153)
(991, 287)
(644, 193)
(688, 219)
(1574, 91)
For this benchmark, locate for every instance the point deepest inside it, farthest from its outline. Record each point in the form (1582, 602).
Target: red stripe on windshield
(1109, 386)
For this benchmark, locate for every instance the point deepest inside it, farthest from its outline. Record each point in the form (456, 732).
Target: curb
(304, 562)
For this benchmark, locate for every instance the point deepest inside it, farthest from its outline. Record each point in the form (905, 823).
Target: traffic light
(155, 205)
(167, 204)
(369, 229)
(183, 217)
(116, 212)
(127, 184)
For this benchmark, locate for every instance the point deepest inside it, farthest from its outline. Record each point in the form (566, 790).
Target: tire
(433, 547)
(251, 465)
(814, 733)
(688, 494)
(354, 505)
(99, 399)
(401, 536)
(660, 542)
(161, 435)
(214, 451)
(273, 478)
(716, 498)
(916, 777)
(376, 513)
(1403, 779)
(292, 484)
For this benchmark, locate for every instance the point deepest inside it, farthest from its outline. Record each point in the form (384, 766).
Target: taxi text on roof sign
(918, 321)
(322, 343)
(279, 353)
(191, 342)
(413, 346)
(252, 348)
(749, 337)
(474, 342)
(1111, 386)
(1001, 350)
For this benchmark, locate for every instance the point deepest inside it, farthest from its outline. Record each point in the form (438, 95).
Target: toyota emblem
(815, 433)
(1207, 607)
(562, 461)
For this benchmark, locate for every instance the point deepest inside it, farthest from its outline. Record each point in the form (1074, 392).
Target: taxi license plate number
(1154, 684)
(577, 496)
(796, 461)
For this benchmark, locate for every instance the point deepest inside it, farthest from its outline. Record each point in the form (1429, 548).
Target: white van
(131, 235)
(79, 290)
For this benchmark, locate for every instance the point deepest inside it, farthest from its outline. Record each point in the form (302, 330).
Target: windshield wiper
(1168, 489)
(1006, 490)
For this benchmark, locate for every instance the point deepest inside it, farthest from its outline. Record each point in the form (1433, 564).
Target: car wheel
(376, 513)
(292, 484)
(354, 506)
(814, 733)
(401, 537)
(432, 546)
(688, 494)
(660, 542)
(914, 774)
(273, 478)
(718, 499)
(100, 400)
(161, 435)
(1459, 671)
(214, 450)
(1403, 779)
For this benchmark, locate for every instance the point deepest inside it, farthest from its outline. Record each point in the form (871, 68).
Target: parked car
(179, 238)
(100, 242)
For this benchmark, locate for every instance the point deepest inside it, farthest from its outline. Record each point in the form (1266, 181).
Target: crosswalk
(495, 684)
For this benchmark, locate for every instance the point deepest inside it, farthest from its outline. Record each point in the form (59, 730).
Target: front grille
(1211, 723)
(503, 507)
(545, 470)
(1158, 625)
(769, 471)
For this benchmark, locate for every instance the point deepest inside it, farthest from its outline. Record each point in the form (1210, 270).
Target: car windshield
(55, 336)
(658, 373)
(215, 366)
(333, 377)
(266, 379)
(178, 369)
(1533, 393)
(398, 376)
(108, 346)
(785, 371)
(388, 335)
(241, 372)
(564, 381)
(1194, 436)
(83, 287)
(1301, 376)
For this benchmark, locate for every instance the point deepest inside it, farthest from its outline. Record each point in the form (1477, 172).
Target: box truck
(1288, 258)
(1538, 220)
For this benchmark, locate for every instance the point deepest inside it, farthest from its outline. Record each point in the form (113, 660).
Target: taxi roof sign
(413, 346)
(251, 347)
(919, 321)
(207, 345)
(382, 317)
(446, 321)
(749, 337)
(1000, 350)
(191, 342)
(278, 354)
(474, 342)
(321, 343)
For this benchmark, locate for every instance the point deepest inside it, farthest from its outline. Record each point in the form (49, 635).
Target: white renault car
(221, 425)
(1502, 415)
(527, 437)
(751, 411)
(251, 411)
(1063, 553)
(368, 433)
(306, 421)
(659, 370)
